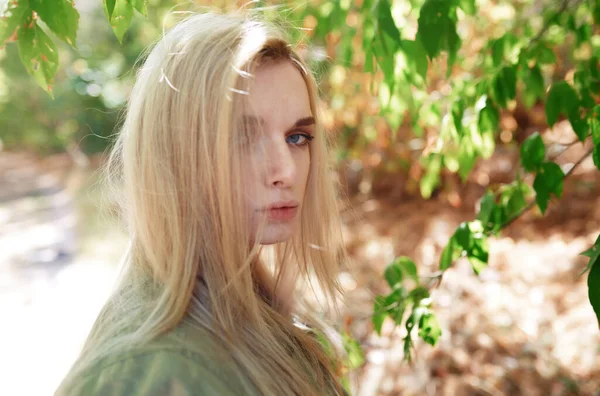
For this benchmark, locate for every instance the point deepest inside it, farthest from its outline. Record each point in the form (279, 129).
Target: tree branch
(538, 36)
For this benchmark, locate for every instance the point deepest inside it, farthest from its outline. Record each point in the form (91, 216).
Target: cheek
(304, 168)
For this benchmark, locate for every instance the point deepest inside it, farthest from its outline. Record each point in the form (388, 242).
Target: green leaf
(354, 351)
(345, 50)
(437, 27)
(38, 53)
(393, 274)
(416, 57)
(571, 24)
(491, 215)
(534, 84)
(13, 15)
(583, 34)
(383, 10)
(395, 304)
(431, 179)
(409, 268)
(407, 345)
(509, 74)
(498, 91)
(533, 152)
(468, 6)
(478, 255)
(594, 289)
(472, 242)
(593, 267)
(498, 51)
(562, 98)
(486, 207)
(549, 180)
(450, 254)
(579, 125)
(463, 236)
(418, 294)
(504, 85)
(467, 156)
(458, 110)
(109, 6)
(513, 198)
(503, 49)
(429, 328)
(595, 128)
(489, 118)
(544, 55)
(379, 313)
(593, 253)
(60, 16)
(121, 18)
(385, 60)
(369, 64)
(587, 101)
(140, 5)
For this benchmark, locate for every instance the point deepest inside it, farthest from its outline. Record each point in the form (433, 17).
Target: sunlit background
(523, 327)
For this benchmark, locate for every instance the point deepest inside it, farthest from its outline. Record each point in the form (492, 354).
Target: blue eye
(299, 139)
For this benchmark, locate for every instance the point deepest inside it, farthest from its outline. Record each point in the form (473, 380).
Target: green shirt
(165, 367)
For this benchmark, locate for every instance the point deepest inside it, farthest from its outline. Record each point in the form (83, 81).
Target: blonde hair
(178, 170)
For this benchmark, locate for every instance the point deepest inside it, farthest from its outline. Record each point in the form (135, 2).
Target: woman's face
(277, 151)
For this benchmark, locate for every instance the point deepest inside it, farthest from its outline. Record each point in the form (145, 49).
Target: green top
(165, 367)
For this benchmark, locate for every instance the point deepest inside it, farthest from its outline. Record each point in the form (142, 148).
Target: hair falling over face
(178, 170)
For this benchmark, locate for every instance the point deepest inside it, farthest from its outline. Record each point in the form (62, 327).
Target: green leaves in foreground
(548, 180)
(595, 128)
(533, 151)
(594, 276)
(563, 99)
(37, 51)
(401, 300)
(437, 29)
(469, 240)
(549, 177)
(120, 17)
(11, 17)
(60, 16)
(120, 14)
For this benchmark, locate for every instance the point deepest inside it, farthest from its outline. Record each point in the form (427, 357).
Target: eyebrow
(305, 121)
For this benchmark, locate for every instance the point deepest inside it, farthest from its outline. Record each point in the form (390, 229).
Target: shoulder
(164, 371)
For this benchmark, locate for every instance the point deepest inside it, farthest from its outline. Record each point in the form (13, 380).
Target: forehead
(278, 94)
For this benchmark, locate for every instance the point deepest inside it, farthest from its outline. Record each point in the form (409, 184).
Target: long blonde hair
(177, 168)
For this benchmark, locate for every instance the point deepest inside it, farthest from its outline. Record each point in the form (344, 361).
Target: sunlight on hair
(254, 39)
(163, 77)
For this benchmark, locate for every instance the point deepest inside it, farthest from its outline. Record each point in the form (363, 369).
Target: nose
(281, 167)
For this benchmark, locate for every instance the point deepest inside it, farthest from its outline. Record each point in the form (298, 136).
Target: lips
(282, 211)
(283, 205)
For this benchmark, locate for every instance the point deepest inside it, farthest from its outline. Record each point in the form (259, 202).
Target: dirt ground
(523, 327)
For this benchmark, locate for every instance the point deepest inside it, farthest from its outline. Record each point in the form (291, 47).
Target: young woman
(222, 166)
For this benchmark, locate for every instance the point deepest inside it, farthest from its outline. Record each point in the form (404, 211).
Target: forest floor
(523, 327)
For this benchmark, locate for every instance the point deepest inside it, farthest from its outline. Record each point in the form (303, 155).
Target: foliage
(450, 92)
(509, 69)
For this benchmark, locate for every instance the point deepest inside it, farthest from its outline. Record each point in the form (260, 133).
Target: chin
(277, 233)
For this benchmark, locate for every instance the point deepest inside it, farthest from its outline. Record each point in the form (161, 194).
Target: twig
(538, 36)
(566, 146)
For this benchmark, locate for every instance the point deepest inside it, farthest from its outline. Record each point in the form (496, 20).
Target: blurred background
(524, 326)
